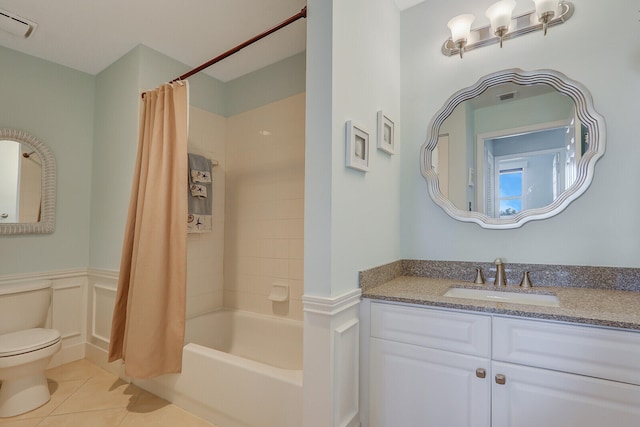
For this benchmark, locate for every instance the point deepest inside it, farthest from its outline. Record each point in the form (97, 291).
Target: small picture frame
(386, 134)
(357, 143)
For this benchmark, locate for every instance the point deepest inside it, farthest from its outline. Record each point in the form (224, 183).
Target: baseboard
(100, 357)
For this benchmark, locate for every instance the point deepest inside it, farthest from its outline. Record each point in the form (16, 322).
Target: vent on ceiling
(507, 96)
(14, 24)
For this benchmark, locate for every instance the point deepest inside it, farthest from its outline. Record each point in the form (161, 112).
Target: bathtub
(239, 369)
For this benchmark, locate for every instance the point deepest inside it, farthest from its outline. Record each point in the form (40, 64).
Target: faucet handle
(498, 261)
(526, 281)
(479, 276)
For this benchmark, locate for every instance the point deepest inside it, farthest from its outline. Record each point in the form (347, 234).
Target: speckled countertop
(593, 306)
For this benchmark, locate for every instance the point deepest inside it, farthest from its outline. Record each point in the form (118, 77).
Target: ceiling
(89, 35)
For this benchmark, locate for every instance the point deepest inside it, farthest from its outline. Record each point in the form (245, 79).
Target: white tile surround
(264, 217)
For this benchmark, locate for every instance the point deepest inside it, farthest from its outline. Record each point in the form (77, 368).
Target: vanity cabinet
(429, 368)
(558, 374)
(534, 397)
(434, 367)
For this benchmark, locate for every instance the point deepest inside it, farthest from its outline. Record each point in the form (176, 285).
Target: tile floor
(82, 394)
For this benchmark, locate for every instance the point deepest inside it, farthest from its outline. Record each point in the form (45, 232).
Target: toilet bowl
(26, 348)
(24, 356)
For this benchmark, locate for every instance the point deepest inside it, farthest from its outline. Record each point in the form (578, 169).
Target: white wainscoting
(68, 311)
(331, 360)
(103, 285)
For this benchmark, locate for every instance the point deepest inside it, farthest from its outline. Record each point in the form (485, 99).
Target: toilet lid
(26, 341)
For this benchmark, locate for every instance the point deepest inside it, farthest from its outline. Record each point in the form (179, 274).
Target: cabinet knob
(481, 373)
(501, 379)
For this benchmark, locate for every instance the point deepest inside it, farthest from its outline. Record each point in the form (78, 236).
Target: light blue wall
(527, 143)
(269, 84)
(115, 142)
(583, 234)
(545, 108)
(56, 105)
(352, 218)
(318, 149)
(205, 92)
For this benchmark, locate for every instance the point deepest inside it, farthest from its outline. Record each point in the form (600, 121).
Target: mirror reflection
(510, 149)
(514, 147)
(20, 183)
(27, 184)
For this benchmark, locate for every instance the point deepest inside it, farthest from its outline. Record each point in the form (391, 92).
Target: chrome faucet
(501, 278)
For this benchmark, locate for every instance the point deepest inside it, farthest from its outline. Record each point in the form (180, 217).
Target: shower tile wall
(264, 224)
(207, 135)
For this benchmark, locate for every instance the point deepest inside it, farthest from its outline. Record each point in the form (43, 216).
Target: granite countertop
(601, 307)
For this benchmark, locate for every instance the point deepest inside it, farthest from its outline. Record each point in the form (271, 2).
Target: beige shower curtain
(147, 329)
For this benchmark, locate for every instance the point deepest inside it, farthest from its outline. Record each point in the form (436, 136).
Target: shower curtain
(147, 329)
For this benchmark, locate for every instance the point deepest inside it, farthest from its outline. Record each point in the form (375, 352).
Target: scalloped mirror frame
(586, 113)
(46, 224)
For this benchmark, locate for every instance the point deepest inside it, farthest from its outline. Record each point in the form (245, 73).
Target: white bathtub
(239, 369)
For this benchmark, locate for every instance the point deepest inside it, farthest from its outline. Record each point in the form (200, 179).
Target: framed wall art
(357, 144)
(386, 134)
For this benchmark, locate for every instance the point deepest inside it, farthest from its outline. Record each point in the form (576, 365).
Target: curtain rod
(301, 14)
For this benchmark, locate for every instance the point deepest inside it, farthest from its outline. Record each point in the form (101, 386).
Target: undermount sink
(546, 300)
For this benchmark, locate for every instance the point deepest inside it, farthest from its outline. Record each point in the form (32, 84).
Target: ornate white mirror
(514, 147)
(27, 184)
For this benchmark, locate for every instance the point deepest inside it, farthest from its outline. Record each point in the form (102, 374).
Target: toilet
(26, 347)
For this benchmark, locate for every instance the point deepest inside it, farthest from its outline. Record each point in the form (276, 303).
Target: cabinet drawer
(597, 352)
(444, 330)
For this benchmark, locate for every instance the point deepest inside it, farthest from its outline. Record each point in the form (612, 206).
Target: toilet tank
(24, 305)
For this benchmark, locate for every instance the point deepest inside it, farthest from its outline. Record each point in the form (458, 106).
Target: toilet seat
(26, 341)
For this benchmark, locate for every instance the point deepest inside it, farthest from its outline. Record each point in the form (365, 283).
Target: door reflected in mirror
(514, 147)
(20, 183)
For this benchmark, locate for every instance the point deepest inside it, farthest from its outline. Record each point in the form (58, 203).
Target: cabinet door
(413, 386)
(533, 397)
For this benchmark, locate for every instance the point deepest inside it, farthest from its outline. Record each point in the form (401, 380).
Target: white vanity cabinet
(434, 367)
(428, 368)
(557, 374)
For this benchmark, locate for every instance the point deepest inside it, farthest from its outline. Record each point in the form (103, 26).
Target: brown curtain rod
(301, 14)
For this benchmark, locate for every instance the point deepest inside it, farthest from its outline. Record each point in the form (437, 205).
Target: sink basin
(504, 296)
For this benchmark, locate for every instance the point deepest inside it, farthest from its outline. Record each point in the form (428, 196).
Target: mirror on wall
(516, 146)
(27, 184)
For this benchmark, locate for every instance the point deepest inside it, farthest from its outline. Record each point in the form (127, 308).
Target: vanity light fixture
(503, 26)
(460, 27)
(499, 15)
(546, 10)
